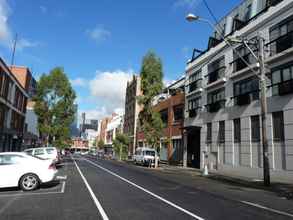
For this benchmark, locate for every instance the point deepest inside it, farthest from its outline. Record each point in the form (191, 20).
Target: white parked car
(145, 155)
(48, 153)
(24, 171)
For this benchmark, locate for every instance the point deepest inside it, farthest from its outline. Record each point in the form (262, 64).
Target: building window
(178, 112)
(237, 130)
(164, 117)
(246, 91)
(194, 106)
(255, 128)
(209, 133)
(242, 53)
(195, 81)
(216, 100)
(221, 137)
(216, 70)
(281, 36)
(278, 126)
(282, 80)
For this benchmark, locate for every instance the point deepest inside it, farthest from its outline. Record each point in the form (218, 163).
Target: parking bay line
(147, 191)
(96, 201)
(36, 193)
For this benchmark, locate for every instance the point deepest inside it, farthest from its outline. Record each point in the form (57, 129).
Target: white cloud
(98, 34)
(190, 4)
(6, 34)
(110, 87)
(24, 43)
(43, 9)
(80, 82)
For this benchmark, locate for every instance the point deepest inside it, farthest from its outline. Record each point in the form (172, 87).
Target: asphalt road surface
(91, 188)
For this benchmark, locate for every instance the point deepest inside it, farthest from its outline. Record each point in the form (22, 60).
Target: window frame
(237, 130)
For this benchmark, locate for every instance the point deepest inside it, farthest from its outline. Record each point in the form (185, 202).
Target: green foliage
(101, 144)
(54, 106)
(151, 85)
(121, 145)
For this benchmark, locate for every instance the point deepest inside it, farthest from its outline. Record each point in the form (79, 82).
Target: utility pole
(13, 50)
(263, 99)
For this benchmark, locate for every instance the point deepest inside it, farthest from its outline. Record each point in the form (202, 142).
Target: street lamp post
(261, 76)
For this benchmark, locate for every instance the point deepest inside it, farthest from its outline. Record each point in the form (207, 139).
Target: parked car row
(25, 171)
(48, 153)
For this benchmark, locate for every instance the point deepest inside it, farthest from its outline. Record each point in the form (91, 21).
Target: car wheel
(29, 182)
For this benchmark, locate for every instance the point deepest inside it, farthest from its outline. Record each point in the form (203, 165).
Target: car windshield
(150, 153)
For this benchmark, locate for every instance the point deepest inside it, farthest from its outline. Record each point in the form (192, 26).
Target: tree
(54, 107)
(101, 144)
(151, 85)
(121, 145)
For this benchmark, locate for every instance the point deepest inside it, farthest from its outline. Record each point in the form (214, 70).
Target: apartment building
(132, 110)
(13, 99)
(170, 105)
(222, 118)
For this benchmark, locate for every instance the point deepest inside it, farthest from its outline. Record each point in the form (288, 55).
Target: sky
(101, 43)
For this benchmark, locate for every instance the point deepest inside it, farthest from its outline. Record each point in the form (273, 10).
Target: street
(91, 188)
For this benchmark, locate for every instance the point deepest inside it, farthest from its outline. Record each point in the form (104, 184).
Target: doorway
(193, 147)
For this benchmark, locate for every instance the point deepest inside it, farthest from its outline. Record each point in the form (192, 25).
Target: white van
(145, 155)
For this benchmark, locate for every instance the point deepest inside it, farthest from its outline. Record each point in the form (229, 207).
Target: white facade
(245, 156)
(91, 136)
(114, 126)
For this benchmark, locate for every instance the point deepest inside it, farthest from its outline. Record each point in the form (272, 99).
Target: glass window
(209, 133)
(278, 126)
(178, 112)
(286, 74)
(221, 131)
(283, 30)
(39, 152)
(29, 152)
(237, 130)
(50, 151)
(10, 159)
(276, 77)
(255, 128)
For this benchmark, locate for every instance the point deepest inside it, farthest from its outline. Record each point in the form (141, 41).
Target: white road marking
(3, 208)
(147, 191)
(63, 187)
(96, 201)
(61, 177)
(36, 193)
(268, 209)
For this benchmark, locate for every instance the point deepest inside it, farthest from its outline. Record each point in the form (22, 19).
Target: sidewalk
(283, 189)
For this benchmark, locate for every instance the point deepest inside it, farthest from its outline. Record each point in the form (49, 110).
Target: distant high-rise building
(74, 131)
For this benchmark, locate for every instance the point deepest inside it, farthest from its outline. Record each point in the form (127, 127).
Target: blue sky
(99, 42)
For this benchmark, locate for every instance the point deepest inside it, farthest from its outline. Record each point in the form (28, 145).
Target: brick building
(170, 104)
(13, 99)
(132, 110)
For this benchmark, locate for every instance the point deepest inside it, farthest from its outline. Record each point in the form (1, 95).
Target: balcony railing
(193, 112)
(281, 43)
(216, 74)
(194, 85)
(216, 106)
(247, 98)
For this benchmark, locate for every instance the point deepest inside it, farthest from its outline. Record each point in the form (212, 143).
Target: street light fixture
(260, 75)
